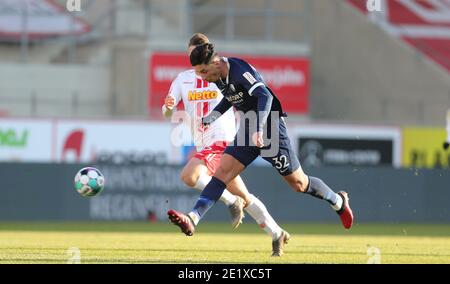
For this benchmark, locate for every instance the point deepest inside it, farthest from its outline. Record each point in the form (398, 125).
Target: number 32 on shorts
(281, 163)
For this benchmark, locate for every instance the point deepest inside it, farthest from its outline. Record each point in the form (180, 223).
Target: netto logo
(73, 5)
(73, 145)
(203, 95)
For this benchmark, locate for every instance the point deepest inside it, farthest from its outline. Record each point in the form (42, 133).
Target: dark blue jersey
(245, 89)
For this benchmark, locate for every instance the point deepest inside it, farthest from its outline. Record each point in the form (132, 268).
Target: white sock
(339, 203)
(226, 197)
(259, 212)
(202, 182)
(194, 217)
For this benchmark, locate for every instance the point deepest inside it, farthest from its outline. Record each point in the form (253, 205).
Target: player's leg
(195, 175)
(258, 211)
(229, 168)
(288, 165)
(209, 161)
(242, 199)
(237, 187)
(319, 189)
(300, 182)
(256, 208)
(192, 171)
(232, 163)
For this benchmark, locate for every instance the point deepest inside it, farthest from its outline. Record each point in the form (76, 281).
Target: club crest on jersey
(202, 95)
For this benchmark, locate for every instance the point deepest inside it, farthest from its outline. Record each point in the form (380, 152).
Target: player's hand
(203, 126)
(169, 102)
(207, 120)
(258, 139)
(446, 145)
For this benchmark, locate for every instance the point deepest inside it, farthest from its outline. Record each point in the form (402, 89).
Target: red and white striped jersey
(200, 98)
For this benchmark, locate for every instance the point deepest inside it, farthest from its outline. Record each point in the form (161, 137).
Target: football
(89, 182)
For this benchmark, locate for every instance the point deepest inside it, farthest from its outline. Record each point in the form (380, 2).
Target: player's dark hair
(202, 54)
(197, 39)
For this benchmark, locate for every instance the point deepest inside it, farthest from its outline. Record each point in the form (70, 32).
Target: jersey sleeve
(250, 79)
(175, 89)
(218, 111)
(255, 86)
(265, 99)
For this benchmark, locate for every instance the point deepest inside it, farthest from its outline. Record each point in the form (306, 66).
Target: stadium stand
(423, 24)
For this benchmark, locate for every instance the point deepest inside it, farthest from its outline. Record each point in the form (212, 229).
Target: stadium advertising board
(288, 77)
(25, 140)
(422, 148)
(123, 142)
(139, 192)
(88, 141)
(347, 146)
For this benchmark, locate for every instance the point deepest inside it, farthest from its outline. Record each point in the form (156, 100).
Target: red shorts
(211, 156)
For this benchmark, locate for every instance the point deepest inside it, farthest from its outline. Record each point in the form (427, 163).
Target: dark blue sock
(209, 197)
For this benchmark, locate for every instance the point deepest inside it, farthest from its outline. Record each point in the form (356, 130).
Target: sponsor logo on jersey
(235, 99)
(202, 95)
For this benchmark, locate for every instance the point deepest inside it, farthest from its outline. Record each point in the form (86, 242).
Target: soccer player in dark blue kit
(245, 90)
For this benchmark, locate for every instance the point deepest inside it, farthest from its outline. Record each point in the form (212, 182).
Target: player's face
(208, 72)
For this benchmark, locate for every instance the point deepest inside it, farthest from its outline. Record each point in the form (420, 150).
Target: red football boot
(345, 213)
(183, 221)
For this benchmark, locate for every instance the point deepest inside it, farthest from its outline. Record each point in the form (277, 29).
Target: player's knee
(299, 185)
(188, 178)
(220, 173)
(225, 167)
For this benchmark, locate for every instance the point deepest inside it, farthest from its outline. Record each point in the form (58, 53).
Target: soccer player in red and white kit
(199, 98)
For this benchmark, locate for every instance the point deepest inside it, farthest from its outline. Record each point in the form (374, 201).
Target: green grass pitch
(141, 242)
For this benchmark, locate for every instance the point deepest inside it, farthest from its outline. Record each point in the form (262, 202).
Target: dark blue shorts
(279, 152)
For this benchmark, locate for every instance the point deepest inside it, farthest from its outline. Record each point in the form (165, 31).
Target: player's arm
(265, 99)
(172, 99)
(218, 111)
(256, 87)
